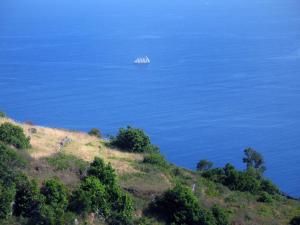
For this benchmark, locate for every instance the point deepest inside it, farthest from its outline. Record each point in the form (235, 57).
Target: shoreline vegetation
(55, 176)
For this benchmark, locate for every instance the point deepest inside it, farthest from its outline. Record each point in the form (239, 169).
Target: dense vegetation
(254, 160)
(180, 206)
(251, 180)
(155, 159)
(247, 180)
(203, 165)
(95, 132)
(63, 189)
(133, 140)
(99, 193)
(52, 203)
(13, 135)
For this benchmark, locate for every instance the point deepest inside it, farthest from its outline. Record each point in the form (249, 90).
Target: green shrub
(10, 163)
(133, 140)
(11, 157)
(116, 218)
(265, 197)
(246, 181)
(231, 178)
(221, 216)
(13, 135)
(269, 187)
(120, 204)
(7, 195)
(42, 207)
(203, 165)
(45, 214)
(121, 207)
(55, 194)
(124, 207)
(155, 159)
(105, 173)
(216, 175)
(100, 194)
(250, 180)
(2, 115)
(180, 206)
(95, 132)
(90, 197)
(28, 198)
(48, 215)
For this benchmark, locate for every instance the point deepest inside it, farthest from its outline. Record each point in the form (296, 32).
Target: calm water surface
(224, 75)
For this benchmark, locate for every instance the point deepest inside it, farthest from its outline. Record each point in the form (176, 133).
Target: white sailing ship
(142, 60)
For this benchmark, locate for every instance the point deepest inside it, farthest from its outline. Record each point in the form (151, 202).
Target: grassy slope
(143, 181)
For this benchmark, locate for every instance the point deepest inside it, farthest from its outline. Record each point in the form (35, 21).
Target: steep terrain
(65, 154)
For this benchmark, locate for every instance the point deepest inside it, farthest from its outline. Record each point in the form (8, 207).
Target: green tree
(133, 140)
(231, 177)
(254, 159)
(120, 203)
(235, 180)
(99, 193)
(180, 206)
(44, 215)
(55, 194)
(105, 173)
(241, 181)
(90, 197)
(7, 195)
(121, 206)
(13, 135)
(51, 205)
(95, 132)
(247, 182)
(204, 165)
(48, 215)
(124, 207)
(27, 199)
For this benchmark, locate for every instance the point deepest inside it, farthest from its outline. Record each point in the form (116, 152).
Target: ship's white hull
(141, 63)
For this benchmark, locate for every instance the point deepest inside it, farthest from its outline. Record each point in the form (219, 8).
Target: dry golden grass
(46, 142)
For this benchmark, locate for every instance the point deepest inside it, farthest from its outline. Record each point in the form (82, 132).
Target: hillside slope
(65, 154)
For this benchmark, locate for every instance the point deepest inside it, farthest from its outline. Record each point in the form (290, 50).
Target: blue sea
(224, 75)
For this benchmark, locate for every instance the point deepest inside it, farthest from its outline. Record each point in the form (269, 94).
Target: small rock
(65, 141)
(32, 130)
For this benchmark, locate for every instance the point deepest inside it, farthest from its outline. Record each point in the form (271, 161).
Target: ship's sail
(142, 60)
(147, 59)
